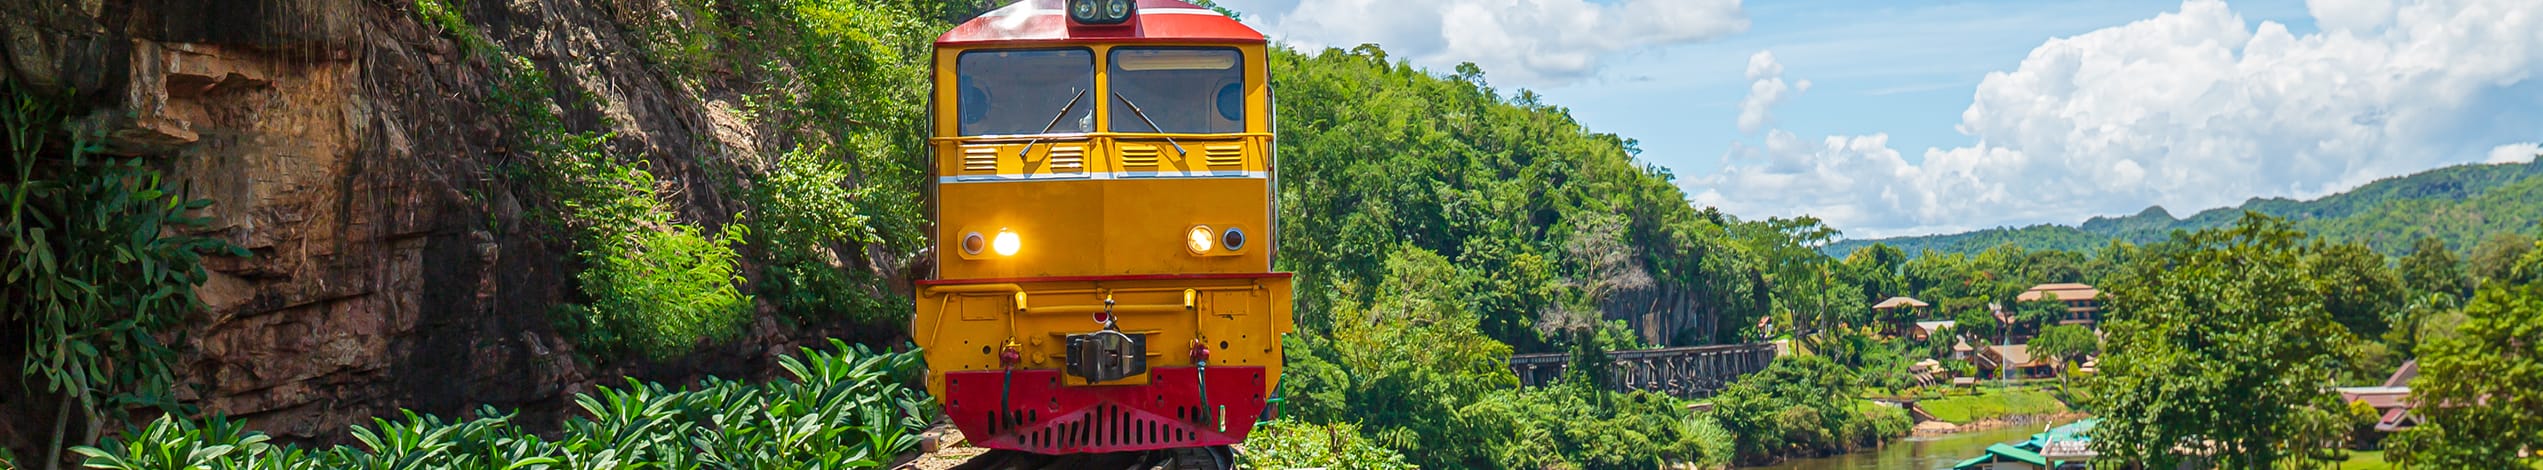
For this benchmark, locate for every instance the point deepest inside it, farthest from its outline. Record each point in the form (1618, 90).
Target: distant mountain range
(2459, 204)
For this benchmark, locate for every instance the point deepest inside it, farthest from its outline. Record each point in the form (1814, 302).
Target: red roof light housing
(1102, 12)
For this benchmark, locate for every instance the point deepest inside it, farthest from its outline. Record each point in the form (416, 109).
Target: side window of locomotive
(1180, 90)
(1026, 92)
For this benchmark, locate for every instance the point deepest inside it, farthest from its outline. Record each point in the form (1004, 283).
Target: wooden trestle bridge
(1683, 372)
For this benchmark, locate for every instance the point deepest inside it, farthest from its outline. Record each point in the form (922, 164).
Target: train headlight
(1082, 10)
(1200, 239)
(1234, 239)
(1006, 243)
(1101, 12)
(972, 243)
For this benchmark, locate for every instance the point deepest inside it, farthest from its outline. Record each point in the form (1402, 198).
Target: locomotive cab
(1101, 188)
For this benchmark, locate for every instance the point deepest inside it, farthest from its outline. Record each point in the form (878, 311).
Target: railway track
(1203, 458)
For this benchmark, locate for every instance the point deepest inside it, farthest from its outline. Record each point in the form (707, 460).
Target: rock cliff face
(350, 147)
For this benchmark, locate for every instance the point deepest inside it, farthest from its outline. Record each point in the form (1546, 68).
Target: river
(1920, 452)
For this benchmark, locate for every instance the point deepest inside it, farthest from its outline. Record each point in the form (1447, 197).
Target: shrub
(656, 287)
(843, 409)
(1294, 444)
(804, 209)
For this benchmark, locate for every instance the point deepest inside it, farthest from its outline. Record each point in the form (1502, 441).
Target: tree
(2431, 268)
(1876, 271)
(2354, 285)
(2033, 315)
(2064, 343)
(2497, 255)
(2478, 391)
(2407, 327)
(1976, 322)
(2216, 344)
(1797, 403)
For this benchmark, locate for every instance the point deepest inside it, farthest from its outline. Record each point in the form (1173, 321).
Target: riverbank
(2026, 421)
(1919, 452)
(1988, 404)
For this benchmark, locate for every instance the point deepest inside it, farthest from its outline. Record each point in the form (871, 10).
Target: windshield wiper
(1152, 125)
(1055, 123)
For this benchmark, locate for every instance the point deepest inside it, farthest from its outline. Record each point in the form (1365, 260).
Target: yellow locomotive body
(1102, 199)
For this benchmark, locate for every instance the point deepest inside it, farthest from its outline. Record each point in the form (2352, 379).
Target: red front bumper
(1042, 416)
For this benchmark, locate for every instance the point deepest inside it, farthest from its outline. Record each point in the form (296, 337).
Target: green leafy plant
(839, 409)
(656, 287)
(98, 267)
(1293, 444)
(807, 210)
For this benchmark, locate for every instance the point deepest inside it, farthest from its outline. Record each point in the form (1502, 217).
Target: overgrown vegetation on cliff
(843, 409)
(829, 200)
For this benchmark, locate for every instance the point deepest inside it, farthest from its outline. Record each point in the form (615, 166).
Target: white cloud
(1765, 90)
(2515, 153)
(1525, 42)
(2191, 109)
(2350, 15)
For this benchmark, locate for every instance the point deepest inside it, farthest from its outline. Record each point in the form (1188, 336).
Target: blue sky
(1898, 118)
(1905, 68)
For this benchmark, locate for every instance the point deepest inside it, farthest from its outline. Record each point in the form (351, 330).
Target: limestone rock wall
(350, 147)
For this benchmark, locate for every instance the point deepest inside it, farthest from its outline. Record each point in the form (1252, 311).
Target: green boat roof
(2002, 452)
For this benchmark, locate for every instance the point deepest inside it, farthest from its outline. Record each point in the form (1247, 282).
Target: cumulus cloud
(2191, 109)
(1531, 42)
(2515, 153)
(1765, 90)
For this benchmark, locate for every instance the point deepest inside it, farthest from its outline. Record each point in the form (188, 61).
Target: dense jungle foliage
(2458, 205)
(1438, 225)
(2227, 341)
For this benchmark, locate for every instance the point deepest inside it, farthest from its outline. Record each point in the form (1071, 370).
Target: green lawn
(2364, 460)
(1991, 404)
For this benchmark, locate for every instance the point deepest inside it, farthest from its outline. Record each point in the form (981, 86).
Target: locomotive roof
(1039, 21)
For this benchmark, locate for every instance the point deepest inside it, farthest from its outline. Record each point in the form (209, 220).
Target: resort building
(2012, 362)
(2391, 400)
(2083, 302)
(1894, 314)
(1923, 329)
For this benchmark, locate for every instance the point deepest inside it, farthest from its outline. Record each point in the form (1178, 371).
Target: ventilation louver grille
(1223, 155)
(980, 159)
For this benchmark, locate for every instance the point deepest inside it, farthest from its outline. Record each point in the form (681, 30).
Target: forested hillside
(2459, 205)
(1438, 224)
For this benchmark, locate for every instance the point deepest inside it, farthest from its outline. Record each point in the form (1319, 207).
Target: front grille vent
(1068, 159)
(1223, 154)
(980, 159)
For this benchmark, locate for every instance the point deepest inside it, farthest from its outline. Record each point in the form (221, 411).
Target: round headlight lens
(1199, 239)
(1006, 244)
(1116, 10)
(1234, 239)
(972, 243)
(1082, 10)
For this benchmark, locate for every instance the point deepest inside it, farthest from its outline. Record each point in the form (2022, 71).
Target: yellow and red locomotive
(1101, 186)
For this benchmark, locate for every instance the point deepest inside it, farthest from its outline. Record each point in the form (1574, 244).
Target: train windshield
(1177, 90)
(1027, 92)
